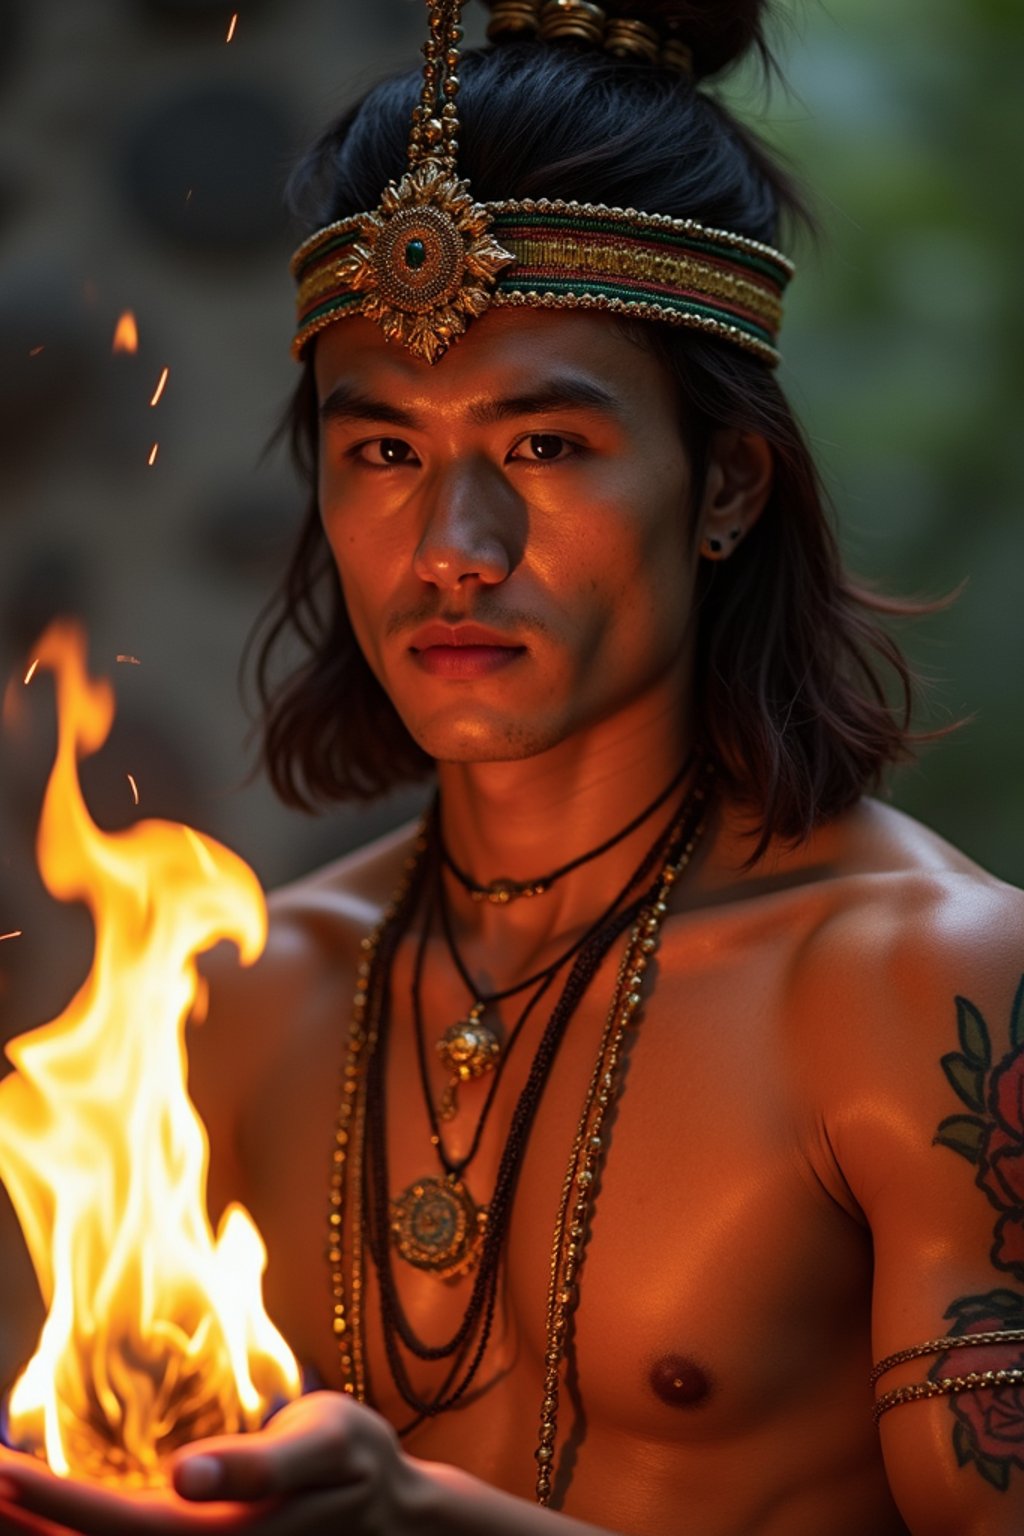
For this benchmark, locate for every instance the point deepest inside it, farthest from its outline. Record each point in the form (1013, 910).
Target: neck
(522, 820)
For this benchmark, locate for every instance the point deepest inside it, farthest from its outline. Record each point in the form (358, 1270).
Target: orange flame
(126, 333)
(155, 1332)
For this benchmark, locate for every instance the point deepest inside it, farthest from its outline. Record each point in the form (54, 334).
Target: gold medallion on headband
(424, 261)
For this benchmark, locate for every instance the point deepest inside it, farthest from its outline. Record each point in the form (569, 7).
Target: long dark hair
(794, 672)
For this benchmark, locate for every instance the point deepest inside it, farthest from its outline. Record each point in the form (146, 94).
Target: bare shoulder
(909, 916)
(288, 1001)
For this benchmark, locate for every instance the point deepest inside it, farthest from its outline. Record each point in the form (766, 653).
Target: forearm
(451, 1503)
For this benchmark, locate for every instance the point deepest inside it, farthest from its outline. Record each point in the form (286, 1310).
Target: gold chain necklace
(573, 1220)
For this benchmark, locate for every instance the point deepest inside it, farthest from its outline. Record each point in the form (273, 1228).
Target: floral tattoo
(989, 1429)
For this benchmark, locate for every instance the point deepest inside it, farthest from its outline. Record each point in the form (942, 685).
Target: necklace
(359, 1213)
(470, 1048)
(500, 892)
(435, 1223)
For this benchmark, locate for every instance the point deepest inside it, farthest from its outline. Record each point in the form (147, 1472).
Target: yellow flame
(155, 1333)
(126, 333)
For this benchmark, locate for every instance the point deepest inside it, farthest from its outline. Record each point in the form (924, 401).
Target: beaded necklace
(366, 1210)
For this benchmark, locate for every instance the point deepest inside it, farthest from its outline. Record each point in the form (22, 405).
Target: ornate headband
(430, 259)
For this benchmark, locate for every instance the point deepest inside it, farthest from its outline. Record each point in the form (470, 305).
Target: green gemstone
(415, 254)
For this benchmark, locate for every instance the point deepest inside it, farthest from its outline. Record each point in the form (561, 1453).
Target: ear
(736, 487)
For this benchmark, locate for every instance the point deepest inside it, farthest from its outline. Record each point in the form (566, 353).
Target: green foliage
(904, 342)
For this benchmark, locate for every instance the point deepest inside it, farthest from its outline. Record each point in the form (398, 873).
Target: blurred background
(143, 148)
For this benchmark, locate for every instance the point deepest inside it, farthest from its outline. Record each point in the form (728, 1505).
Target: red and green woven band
(586, 256)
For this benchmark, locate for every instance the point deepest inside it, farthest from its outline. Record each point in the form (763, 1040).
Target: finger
(319, 1441)
(93, 1510)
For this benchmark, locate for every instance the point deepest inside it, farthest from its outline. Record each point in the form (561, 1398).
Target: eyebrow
(347, 402)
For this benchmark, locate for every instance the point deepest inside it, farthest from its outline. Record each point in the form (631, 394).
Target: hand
(324, 1463)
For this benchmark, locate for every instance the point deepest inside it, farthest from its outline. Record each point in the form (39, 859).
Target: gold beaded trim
(638, 310)
(973, 1381)
(639, 220)
(940, 1346)
(572, 1224)
(666, 267)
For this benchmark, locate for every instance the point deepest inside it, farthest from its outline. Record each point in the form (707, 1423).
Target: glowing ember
(161, 385)
(152, 455)
(30, 674)
(155, 1332)
(34, 351)
(232, 24)
(126, 333)
(15, 933)
(133, 787)
(132, 661)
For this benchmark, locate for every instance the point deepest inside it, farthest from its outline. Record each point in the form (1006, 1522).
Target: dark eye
(387, 451)
(545, 447)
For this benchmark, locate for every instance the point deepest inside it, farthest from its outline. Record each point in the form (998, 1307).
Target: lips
(462, 650)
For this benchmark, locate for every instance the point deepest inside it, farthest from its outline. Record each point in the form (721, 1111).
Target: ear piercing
(714, 549)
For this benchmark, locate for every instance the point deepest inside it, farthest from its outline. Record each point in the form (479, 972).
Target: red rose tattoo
(989, 1429)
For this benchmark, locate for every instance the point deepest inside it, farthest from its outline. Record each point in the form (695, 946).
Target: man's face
(511, 526)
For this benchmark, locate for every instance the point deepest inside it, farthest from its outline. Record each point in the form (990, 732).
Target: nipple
(679, 1381)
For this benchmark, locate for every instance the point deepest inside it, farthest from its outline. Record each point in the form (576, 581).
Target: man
(612, 1246)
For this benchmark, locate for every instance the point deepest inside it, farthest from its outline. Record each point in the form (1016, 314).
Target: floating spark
(231, 26)
(34, 351)
(134, 787)
(126, 333)
(132, 661)
(152, 454)
(15, 933)
(161, 383)
(30, 674)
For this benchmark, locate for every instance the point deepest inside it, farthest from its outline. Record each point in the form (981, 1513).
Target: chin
(483, 739)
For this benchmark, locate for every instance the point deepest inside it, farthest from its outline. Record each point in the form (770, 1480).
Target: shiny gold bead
(339, 1326)
(577, 21)
(513, 19)
(629, 38)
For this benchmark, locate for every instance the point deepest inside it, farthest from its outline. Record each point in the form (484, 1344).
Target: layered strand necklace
(470, 1047)
(362, 1214)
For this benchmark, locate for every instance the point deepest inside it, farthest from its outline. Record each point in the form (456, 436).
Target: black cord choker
(500, 892)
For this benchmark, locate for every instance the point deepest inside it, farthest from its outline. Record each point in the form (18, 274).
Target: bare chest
(716, 1274)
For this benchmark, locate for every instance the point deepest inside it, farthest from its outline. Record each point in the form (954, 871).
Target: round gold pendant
(468, 1049)
(436, 1226)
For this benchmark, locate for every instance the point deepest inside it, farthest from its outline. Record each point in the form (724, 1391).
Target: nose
(473, 528)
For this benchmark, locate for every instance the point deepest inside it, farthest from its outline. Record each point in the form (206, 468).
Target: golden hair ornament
(430, 259)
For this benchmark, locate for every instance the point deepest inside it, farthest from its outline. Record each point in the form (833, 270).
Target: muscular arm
(929, 1131)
